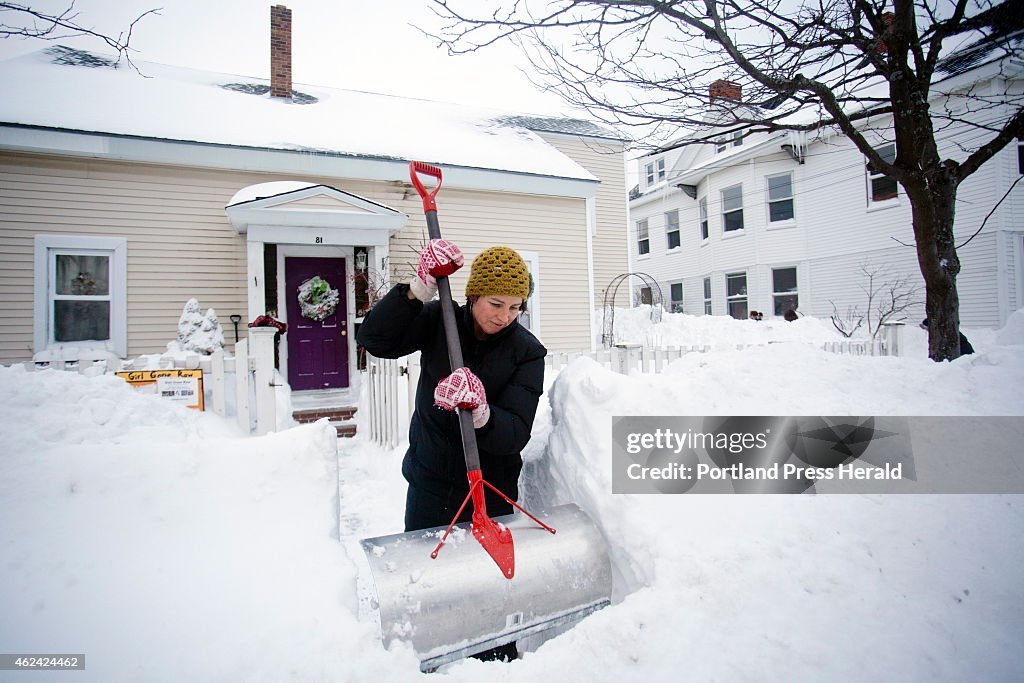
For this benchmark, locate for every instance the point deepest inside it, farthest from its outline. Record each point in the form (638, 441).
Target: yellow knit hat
(500, 271)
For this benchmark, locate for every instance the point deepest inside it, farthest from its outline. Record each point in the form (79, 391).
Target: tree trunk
(933, 207)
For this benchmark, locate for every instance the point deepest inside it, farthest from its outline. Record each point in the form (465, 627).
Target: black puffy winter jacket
(511, 366)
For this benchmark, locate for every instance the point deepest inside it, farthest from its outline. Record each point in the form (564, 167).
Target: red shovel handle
(417, 167)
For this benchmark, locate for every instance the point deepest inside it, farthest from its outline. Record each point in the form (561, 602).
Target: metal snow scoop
(552, 572)
(457, 605)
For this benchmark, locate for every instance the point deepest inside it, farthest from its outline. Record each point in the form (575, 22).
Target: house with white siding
(124, 193)
(772, 222)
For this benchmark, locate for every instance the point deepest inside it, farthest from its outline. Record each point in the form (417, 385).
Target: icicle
(797, 143)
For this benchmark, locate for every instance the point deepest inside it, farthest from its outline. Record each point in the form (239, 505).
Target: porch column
(255, 275)
(377, 260)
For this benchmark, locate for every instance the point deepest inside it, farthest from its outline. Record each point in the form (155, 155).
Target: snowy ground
(165, 547)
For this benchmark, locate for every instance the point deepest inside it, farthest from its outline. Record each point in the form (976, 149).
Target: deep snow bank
(133, 534)
(52, 408)
(755, 587)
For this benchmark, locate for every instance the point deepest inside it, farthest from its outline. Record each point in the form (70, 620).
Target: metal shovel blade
(457, 605)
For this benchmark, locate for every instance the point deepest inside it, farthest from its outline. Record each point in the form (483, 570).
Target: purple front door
(317, 351)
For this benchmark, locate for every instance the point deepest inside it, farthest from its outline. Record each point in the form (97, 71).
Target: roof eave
(303, 163)
(695, 175)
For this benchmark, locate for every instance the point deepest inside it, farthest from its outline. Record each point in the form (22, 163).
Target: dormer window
(655, 171)
(734, 139)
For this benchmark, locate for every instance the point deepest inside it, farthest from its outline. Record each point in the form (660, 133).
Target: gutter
(301, 162)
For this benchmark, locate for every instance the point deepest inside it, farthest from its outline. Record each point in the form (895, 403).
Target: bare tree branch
(873, 70)
(22, 21)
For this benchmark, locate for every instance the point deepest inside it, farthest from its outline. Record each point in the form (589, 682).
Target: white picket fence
(254, 406)
(389, 399)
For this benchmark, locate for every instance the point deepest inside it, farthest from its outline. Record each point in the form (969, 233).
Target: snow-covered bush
(197, 332)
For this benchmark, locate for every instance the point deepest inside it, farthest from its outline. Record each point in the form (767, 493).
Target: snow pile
(633, 325)
(768, 575)
(1013, 332)
(164, 551)
(49, 408)
(169, 559)
(197, 332)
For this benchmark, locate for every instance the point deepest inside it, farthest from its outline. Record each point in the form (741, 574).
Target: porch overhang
(306, 213)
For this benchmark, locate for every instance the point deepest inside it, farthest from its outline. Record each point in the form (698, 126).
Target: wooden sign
(185, 386)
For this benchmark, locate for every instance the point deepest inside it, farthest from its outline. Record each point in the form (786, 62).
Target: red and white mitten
(463, 389)
(439, 258)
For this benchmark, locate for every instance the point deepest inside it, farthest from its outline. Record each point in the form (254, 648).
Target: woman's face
(492, 313)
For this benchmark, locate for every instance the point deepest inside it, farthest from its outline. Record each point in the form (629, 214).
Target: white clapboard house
(772, 222)
(124, 194)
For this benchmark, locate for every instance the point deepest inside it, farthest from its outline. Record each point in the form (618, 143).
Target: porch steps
(342, 419)
(338, 406)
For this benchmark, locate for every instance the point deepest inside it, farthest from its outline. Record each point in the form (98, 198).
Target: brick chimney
(725, 90)
(887, 19)
(280, 51)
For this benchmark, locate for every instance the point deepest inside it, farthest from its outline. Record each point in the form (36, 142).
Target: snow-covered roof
(265, 190)
(731, 156)
(551, 124)
(984, 50)
(74, 90)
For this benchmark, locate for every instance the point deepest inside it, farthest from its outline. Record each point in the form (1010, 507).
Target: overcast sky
(370, 45)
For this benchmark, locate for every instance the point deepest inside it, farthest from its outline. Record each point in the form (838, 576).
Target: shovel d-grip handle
(429, 203)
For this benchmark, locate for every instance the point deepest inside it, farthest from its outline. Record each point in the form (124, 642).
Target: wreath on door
(317, 299)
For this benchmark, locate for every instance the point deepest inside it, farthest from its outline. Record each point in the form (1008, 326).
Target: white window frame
(673, 302)
(795, 292)
(869, 176)
(734, 231)
(532, 259)
(734, 298)
(643, 224)
(672, 227)
(702, 219)
(655, 171)
(726, 141)
(769, 201)
(707, 296)
(46, 249)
